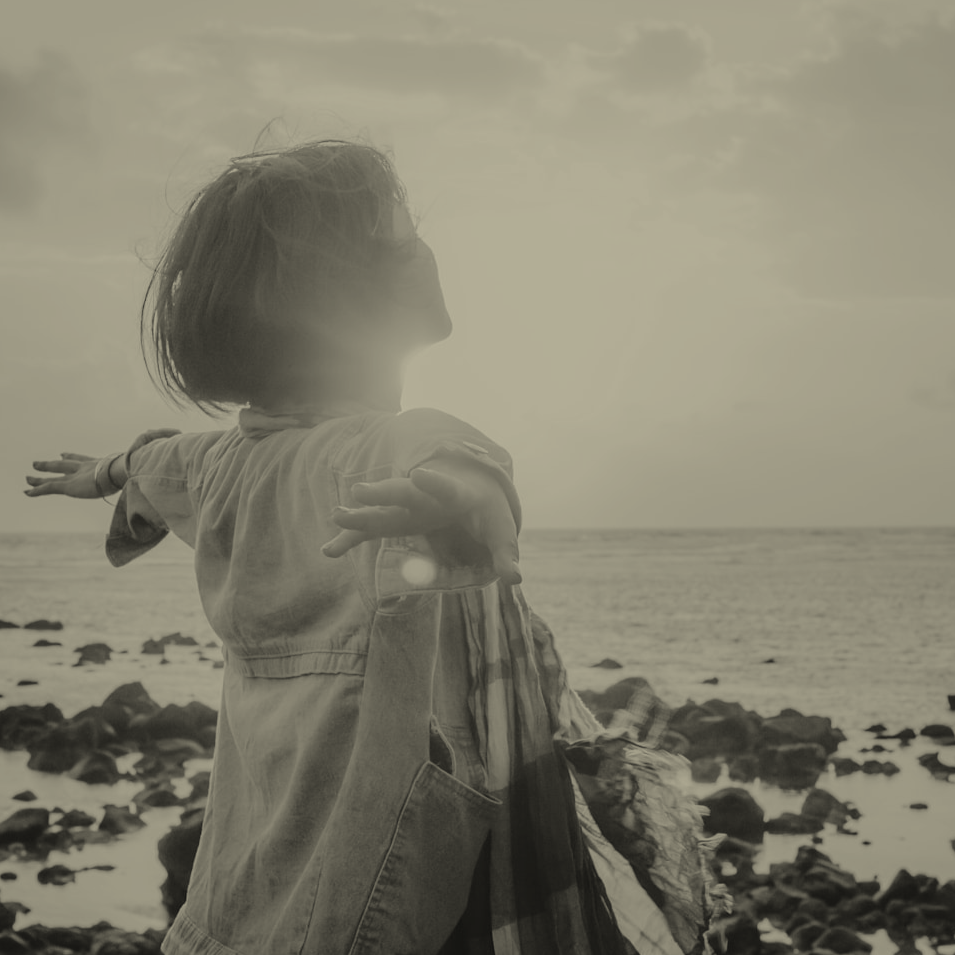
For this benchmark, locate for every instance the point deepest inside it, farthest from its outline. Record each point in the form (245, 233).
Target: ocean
(854, 624)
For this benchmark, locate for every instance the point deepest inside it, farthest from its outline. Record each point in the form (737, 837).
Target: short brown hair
(275, 243)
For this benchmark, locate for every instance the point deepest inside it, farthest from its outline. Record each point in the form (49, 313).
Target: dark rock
(8, 877)
(75, 818)
(25, 825)
(872, 767)
(12, 943)
(28, 795)
(876, 728)
(743, 768)
(604, 704)
(179, 640)
(162, 794)
(56, 875)
(153, 648)
(177, 852)
(793, 765)
(28, 682)
(20, 724)
(904, 887)
(770, 660)
(815, 909)
(7, 625)
(824, 807)
(716, 728)
(608, 664)
(93, 653)
(133, 696)
(937, 731)
(843, 766)
(951, 702)
(114, 941)
(804, 937)
(792, 727)
(117, 820)
(712, 681)
(175, 752)
(935, 766)
(842, 942)
(7, 917)
(43, 625)
(42, 938)
(918, 805)
(48, 643)
(741, 934)
(706, 769)
(96, 768)
(61, 747)
(177, 722)
(735, 812)
(791, 824)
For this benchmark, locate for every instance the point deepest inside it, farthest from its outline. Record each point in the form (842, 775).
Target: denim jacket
(347, 806)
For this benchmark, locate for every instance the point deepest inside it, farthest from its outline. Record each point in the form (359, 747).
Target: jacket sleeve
(160, 496)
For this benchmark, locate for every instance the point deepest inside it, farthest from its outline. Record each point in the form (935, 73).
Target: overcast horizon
(699, 257)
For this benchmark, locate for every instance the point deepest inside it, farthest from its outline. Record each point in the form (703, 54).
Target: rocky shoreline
(812, 904)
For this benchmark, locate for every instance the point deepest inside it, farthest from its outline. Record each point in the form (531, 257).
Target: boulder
(177, 722)
(607, 664)
(734, 811)
(743, 768)
(937, 731)
(177, 852)
(7, 625)
(741, 934)
(25, 825)
(716, 728)
(43, 625)
(75, 818)
(791, 727)
(804, 936)
(824, 807)
(21, 724)
(96, 768)
(27, 795)
(706, 769)
(616, 697)
(792, 765)
(792, 824)
(47, 643)
(842, 942)
(843, 766)
(61, 747)
(118, 820)
(98, 653)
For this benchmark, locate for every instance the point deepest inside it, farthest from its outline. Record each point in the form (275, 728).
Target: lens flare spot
(419, 572)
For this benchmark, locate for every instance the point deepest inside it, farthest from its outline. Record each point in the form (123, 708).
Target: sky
(700, 256)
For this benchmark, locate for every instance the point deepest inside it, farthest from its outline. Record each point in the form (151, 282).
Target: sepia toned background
(699, 256)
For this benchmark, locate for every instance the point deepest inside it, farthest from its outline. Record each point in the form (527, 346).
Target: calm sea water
(859, 624)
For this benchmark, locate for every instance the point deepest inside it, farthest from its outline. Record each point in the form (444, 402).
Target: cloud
(43, 112)
(850, 158)
(657, 57)
(439, 65)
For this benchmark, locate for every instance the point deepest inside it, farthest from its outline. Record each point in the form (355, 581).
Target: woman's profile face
(417, 290)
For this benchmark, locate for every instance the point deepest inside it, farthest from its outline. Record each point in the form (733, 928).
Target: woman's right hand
(75, 476)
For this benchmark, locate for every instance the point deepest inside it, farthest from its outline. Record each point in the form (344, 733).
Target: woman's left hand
(429, 500)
